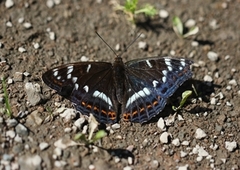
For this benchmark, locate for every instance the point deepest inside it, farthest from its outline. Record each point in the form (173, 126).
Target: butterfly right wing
(89, 85)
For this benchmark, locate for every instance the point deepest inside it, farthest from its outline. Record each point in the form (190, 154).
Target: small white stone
(26, 74)
(84, 58)
(52, 35)
(36, 45)
(10, 81)
(117, 47)
(116, 159)
(43, 146)
(27, 25)
(20, 20)
(161, 124)
(228, 104)
(172, 53)
(200, 134)
(127, 168)
(180, 118)
(130, 160)
(214, 146)
(142, 45)
(68, 114)
(60, 163)
(213, 24)
(223, 160)
(170, 120)
(213, 101)
(9, 24)
(212, 56)
(67, 130)
(163, 13)
(183, 154)
(230, 146)
(21, 49)
(227, 57)
(190, 23)
(50, 3)
(233, 82)
(9, 3)
(199, 158)
(57, 2)
(208, 78)
(194, 43)
(79, 122)
(164, 138)
(185, 143)
(11, 134)
(202, 152)
(185, 167)
(58, 152)
(176, 142)
(116, 126)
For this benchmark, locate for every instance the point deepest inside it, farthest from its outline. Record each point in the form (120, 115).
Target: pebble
(183, 154)
(9, 3)
(10, 133)
(64, 143)
(228, 104)
(163, 13)
(58, 151)
(213, 101)
(116, 126)
(212, 56)
(233, 82)
(79, 122)
(11, 122)
(176, 142)
(208, 78)
(50, 3)
(228, 87)
(60, 163)
(154, 164)
(180, 118)
(142, 45)
(27, 25)
(43, 146)
(127, 168)
(22, 50)
(161, 124)
(30, 162)
(68, 114)
(185, 143)
(21, 130)
(230, 146)
(130, 160)
(52, 35)
(164, 138)
(200, 134)
(20, 20)
(10, 81)
(190, 23)
(117, 47)
(116, 159)
(9, 24)
(33, 93)
(170, 120)
(213, 24)
(194, 43)
(36, 45)
(67, 130)
(185, 167)
(84, 58)
(18, 77)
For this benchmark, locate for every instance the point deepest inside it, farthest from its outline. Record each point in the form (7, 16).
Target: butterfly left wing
(89, 85)
(149, 83)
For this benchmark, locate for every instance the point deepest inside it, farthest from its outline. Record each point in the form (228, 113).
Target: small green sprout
(185, 96)
(179, 29)
(8, 110)
(131, 11)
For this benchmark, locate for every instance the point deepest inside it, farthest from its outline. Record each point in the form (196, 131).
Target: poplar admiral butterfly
(138, 89)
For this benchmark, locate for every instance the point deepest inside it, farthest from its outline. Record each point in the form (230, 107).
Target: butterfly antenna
(107, 44)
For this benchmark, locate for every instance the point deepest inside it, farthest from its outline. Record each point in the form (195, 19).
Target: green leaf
(178, 26)
(148, 10)
(192, 31)
(7, 103)
(185, 96)
(100, 134)
(131, 5)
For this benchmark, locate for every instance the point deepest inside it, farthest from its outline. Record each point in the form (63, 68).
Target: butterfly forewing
(150, 82)
(89, 85)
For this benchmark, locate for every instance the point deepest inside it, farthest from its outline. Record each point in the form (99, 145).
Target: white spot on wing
(70, 69)
(88, 68)
(55, 73)
(183, 63)
(135, 96)
(149, 64)
(56, 69)
(164, 72)
(76, 86)
(180, 67)
(69, 76)
(58, 77)
(74, 79)
(164, 79)
(155, 82)
(102, 96)
(169, 68)
(86, 88)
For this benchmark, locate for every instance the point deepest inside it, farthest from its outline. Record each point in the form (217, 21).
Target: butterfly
(136, 90)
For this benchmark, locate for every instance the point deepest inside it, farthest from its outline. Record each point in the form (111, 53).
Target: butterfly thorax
(119, 77)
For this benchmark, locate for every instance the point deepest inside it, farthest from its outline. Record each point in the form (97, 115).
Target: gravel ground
(38, 35)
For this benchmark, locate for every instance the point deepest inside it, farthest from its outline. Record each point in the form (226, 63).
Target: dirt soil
(38, 35)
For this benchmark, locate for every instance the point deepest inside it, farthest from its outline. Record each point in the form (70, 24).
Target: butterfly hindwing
(150, 83)
(89, 85)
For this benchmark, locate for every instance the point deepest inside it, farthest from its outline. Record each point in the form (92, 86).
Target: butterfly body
(138, 89)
